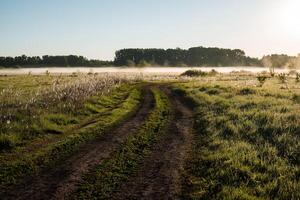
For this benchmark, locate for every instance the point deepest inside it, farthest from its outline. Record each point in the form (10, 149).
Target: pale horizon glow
(291, 16)
(97, 28)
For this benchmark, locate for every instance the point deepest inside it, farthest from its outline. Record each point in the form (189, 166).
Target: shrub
(193, 73)
(261, 79)
(282, 77)
(213, 72)
(196, 73)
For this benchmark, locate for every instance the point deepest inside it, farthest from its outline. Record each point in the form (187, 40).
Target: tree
(195, 56)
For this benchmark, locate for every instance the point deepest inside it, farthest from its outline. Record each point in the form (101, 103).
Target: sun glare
(290, 16)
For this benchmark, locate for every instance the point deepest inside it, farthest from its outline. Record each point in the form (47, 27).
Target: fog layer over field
(171, 70)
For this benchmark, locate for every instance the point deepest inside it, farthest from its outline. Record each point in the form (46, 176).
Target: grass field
(246, 139)
(103, 136)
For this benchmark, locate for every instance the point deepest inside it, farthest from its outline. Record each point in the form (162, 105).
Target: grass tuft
(8, 142)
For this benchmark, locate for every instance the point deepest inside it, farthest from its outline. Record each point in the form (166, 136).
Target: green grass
(27, 100)
(8, 141)
(106, 179)
(41, 121)
(247, 141)
(246, 146)
(25, 157)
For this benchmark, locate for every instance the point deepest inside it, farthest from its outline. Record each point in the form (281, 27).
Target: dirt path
(59, 182)
(159, 176)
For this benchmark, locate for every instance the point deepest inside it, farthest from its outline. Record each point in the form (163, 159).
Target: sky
(97, 28)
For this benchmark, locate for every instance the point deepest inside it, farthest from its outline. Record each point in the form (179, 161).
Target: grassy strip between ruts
(12, 172)
(106, 179)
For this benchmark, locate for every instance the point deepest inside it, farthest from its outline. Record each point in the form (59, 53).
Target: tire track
(61, 180)
(159, 176)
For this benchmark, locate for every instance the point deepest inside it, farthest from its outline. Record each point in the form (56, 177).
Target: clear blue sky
(96, 28)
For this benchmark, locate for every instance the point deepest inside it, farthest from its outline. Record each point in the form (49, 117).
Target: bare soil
(159, 176)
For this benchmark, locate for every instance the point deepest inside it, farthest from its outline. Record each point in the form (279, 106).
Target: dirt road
(157, 177)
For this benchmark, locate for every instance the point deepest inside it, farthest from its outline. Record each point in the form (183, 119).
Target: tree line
(70, 60)
(281, 61)
(195, 56)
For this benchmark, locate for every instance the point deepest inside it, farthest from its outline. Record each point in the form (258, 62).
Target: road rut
(60, 181)
(159, 176)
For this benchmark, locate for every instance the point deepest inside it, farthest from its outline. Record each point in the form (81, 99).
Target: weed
(261, 79)
(282, 77)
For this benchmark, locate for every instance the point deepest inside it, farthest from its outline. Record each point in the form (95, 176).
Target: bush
(196, 73)
(282, 77)
(193, 73)
(213, 72)
(261, 79)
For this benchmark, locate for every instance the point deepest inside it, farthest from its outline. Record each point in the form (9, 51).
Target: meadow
(246, 138)
(199, 135)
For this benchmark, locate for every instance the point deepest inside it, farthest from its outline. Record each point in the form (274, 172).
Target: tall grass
(22, 107)
(247, 143)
